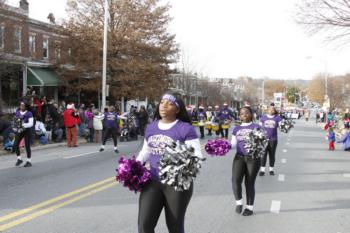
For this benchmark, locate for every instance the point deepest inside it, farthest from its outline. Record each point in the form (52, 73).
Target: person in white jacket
(98, 126)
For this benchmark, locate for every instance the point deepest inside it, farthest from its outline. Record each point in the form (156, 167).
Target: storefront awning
(42, 77)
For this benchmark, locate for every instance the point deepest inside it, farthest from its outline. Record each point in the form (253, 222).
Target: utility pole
(104, 64)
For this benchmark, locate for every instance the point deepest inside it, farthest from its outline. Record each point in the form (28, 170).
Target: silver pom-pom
(256, 142)
(179, 166)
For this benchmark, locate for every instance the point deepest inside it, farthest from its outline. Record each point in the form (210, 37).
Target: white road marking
(80, 155)
(347, 175)
(275, 206)
(281, 177)
(284, 150)
(283, 160)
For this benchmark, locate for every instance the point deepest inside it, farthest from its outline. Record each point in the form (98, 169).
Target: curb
(42, 147)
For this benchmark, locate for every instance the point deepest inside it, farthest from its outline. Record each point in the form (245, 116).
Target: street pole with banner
(104, 64)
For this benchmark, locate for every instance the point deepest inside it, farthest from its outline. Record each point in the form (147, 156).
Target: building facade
(30, 51)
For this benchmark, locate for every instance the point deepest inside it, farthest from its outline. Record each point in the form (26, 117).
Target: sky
(232, 38)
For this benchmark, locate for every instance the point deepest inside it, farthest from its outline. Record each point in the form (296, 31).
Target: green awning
(42, 77)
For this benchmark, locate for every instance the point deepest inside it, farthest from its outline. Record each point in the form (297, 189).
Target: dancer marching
(244, 165)
(270, 123)
(24, 122)
(111, 128)
(172, 123)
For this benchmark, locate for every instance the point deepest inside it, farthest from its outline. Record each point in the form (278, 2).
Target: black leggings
(154, 196)
(110, 132)
(271, 150)
(26, 134)
(247, 168)
(201, 130)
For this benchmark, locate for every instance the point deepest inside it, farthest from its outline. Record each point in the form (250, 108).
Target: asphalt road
(72, 190)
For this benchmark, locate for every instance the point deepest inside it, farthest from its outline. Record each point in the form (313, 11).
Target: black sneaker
(101, 149)
(116, 151)
(19, 162)
(261, 173)
(239, 209)
(272, 173)
(247, 212)
(28, 164)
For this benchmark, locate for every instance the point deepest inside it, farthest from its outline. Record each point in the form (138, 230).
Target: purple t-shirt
(25, 117)
(240, 132)
(110, 120)
(271, 125)
(157, 139)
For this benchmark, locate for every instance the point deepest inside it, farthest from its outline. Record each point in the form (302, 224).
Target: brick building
(30, 51)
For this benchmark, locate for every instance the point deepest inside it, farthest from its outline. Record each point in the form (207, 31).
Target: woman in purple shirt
(244, 165)
(172, 123)
(26, 121)
(270, 123)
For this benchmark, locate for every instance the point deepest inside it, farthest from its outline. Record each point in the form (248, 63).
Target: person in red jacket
(70, 122)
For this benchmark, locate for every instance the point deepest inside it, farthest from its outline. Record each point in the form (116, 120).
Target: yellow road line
(52, 208)
(53, 200)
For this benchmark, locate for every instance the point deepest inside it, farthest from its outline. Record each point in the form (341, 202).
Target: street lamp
(104, 63)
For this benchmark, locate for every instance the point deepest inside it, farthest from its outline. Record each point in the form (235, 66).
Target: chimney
(24, 5)
(51, 17)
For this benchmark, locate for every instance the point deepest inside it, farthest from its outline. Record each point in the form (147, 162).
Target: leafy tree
(292, 94)
(140, 48)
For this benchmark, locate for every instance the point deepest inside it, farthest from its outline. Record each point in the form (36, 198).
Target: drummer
(208, 124)
(215, 119)
(201, 115)
(226, 116)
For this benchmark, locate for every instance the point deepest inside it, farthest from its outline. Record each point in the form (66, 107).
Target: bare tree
(331, 17)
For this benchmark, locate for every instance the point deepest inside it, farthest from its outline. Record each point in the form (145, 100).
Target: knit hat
(70, 106)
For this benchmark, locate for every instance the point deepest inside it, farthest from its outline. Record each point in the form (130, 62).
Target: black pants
(247, 168)
(271, 150)
(201, 130)
(209, 132)
(110, 132)
(154, 197)
(26, 134)
(221, 131)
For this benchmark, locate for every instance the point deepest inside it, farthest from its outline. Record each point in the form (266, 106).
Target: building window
(46, 48)
(58, 55)
(31, 45)
(18, 40)
(2, 30)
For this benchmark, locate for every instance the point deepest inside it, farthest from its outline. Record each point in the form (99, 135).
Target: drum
(215, 127)
(208, 125)
(195, 123)
(201, 123)
(225, 126)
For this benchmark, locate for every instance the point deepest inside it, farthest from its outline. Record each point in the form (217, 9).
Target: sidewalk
(47, 146)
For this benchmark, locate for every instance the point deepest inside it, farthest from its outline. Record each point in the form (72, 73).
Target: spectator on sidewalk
(82, 120)
(143, 118)
(98, 126)
(70, 122)
(89, 117)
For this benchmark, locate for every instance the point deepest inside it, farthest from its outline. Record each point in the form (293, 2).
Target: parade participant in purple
(111, 128)
(244, 165)
(216, 122)
(226, 116)
(270, 123)
(201, 119)
(25, 118)
(172, 123)
(209, 115)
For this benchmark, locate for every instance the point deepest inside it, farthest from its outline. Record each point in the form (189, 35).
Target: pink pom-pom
(132, 174)
(217, 147)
